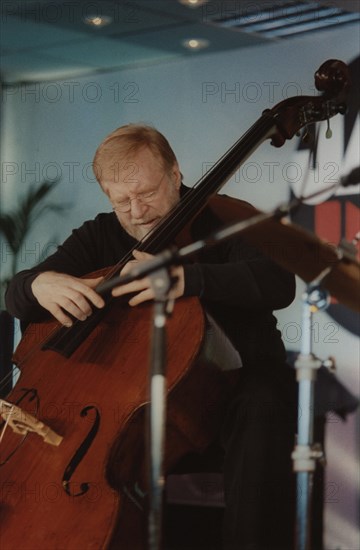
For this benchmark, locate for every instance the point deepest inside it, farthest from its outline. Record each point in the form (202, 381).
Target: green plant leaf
(16, 225)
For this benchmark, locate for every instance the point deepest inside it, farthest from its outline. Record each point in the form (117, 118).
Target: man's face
(142, 192)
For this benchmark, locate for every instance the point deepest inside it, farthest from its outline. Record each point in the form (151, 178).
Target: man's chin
(148, 228)
(141, 231)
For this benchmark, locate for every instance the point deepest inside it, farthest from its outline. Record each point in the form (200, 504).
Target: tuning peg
(349, 248)
(330, 364)
(307, 137)
(328, 133)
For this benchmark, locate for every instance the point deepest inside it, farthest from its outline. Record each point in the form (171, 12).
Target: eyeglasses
(144, 198)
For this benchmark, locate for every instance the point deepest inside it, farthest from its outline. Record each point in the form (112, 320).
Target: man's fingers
(60, 316)
(60, 294)
(141, 289)
(130, 288)
(80, 309)
(75, 304)
(144, 296)
(85, 288)
(128, 267)
(93, 283)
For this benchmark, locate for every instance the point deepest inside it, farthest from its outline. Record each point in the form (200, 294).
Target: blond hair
(129, 140)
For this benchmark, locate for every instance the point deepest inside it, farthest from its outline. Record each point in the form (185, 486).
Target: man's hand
(60, 294)
(142, 287)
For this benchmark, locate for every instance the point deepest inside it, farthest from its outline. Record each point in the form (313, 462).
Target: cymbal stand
(161, 284)
(306, 453)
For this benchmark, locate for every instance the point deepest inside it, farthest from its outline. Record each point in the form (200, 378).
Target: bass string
(6, 379)
(212, 181)
(37, 347)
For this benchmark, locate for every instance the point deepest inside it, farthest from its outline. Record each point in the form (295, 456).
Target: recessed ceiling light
(98, 20)
(193, 3)
(195, 44)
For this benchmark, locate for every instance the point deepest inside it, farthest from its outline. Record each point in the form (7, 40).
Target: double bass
(72, 454)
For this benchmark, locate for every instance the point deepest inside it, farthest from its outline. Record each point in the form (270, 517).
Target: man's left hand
(141, 287)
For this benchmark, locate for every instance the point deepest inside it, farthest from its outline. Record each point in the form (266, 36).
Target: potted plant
(15, 226)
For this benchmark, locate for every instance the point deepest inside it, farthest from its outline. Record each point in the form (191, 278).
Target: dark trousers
(258, 438)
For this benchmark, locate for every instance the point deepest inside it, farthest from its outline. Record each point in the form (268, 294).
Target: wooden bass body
(90, 490)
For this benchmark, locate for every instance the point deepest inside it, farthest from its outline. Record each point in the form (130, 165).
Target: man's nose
(137, 207)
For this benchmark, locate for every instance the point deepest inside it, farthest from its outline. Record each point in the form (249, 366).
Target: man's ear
(175, 171)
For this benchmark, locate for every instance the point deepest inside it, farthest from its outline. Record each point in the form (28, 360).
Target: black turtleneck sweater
(236, 284)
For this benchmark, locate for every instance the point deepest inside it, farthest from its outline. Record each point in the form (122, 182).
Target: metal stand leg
(306, 453)
(161, 284)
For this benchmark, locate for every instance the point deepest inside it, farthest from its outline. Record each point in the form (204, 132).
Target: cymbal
(298, 251)
(311, 258)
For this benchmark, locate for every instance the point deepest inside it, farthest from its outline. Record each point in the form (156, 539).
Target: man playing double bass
(138, 171)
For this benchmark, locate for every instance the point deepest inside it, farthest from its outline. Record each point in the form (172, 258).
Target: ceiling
(49, 39)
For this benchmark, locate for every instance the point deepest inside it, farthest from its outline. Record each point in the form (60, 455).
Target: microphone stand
(161, 284)
(306, 453)
(157, 269)
(315, 298)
